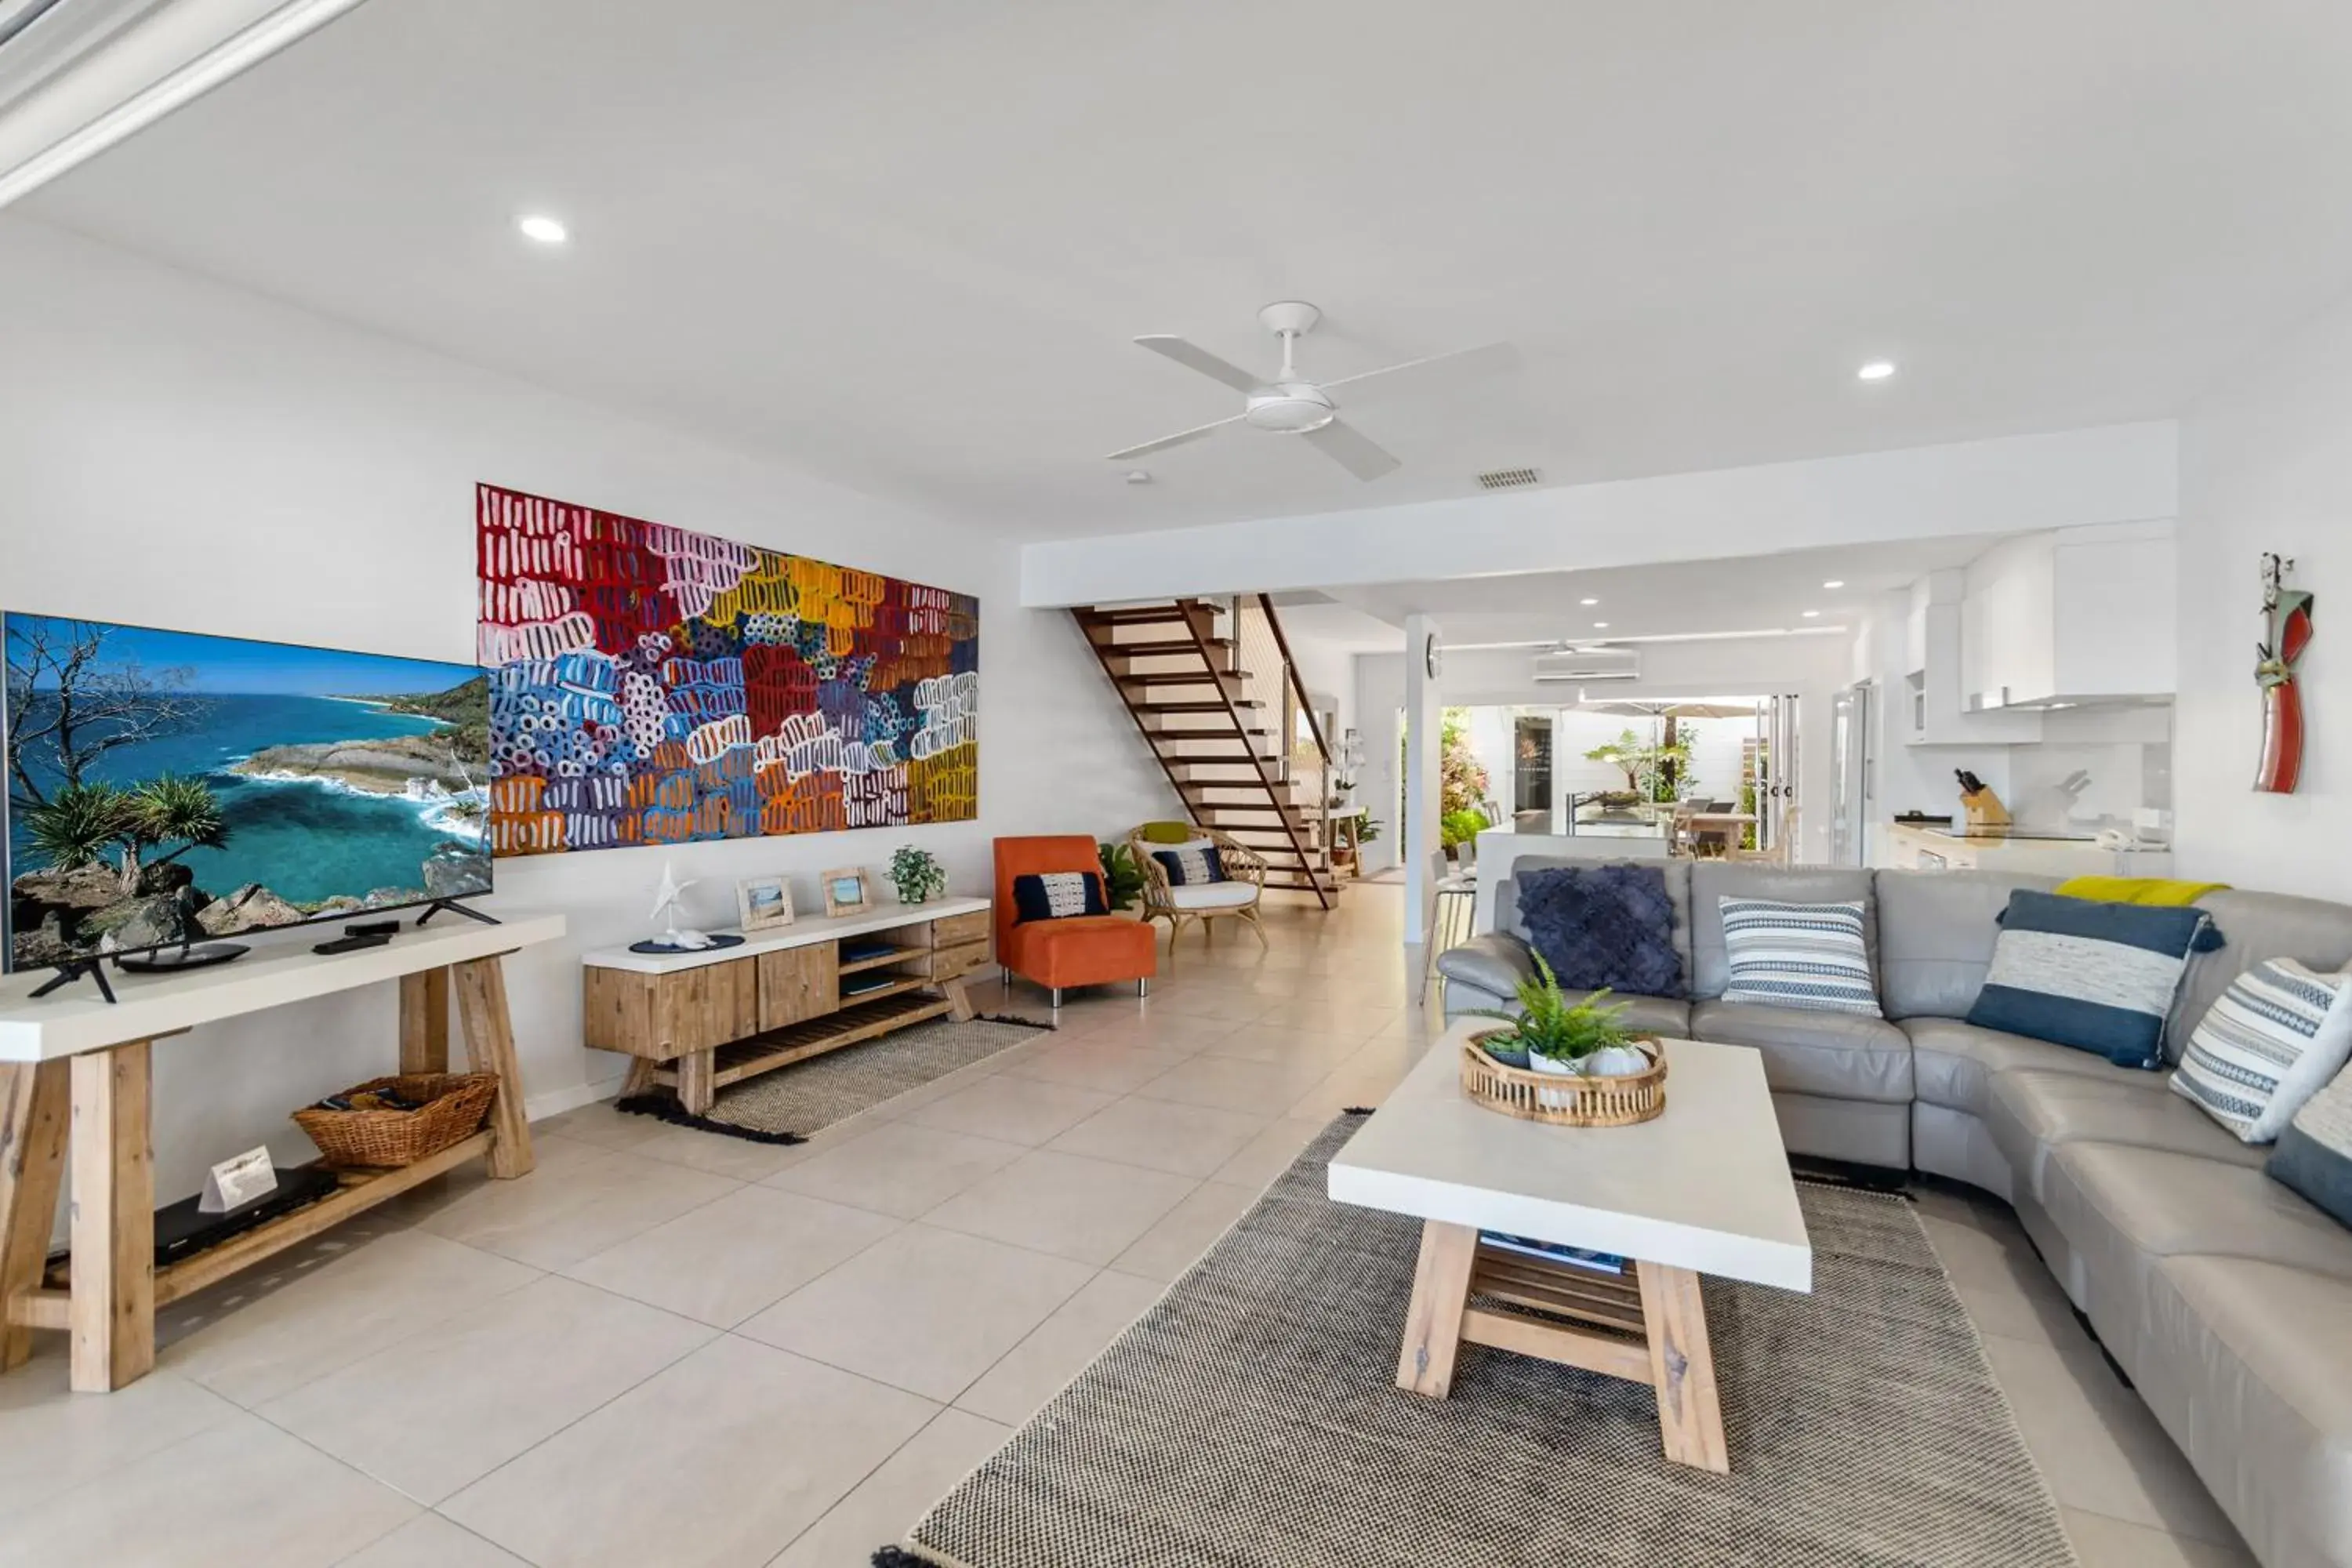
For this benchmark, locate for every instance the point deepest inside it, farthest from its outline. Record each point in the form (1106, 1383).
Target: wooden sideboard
(700, 1021)
(75, 1076)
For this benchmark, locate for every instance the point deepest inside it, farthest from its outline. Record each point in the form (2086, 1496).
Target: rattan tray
(1563, 1100)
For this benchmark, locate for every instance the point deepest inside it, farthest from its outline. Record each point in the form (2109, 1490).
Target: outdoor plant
(1459, 827)
(1548, 1025)
(1122, 877)
(916, 874)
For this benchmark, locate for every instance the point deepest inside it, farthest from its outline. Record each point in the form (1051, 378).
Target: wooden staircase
(1224, 735)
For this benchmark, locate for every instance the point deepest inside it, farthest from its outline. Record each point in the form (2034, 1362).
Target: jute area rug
(787, 1105)
(1249, 1421)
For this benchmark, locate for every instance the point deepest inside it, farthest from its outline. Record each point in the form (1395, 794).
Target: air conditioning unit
(1588, 664)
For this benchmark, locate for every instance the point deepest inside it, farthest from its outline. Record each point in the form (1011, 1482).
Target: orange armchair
(1082, 950)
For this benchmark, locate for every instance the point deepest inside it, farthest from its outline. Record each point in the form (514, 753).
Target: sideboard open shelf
(698, 1022)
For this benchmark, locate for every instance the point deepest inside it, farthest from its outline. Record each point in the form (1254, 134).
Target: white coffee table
(1703, 1189)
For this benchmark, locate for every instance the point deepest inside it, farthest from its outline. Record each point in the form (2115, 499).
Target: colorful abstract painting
(651, 685)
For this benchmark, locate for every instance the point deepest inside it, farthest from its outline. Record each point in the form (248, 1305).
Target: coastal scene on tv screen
(162, 784)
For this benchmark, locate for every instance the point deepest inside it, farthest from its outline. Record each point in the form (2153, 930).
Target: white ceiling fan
(1290, 404)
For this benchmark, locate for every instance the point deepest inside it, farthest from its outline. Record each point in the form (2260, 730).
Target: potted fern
(1555, 1036)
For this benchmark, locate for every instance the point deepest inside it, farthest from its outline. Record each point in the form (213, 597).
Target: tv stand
(73, 969)
(455, 907)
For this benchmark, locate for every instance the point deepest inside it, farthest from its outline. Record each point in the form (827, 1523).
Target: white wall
(177, 453)
(2112, 474)
(2266, 465)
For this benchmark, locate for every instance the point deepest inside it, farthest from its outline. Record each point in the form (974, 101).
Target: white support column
(1425, 712)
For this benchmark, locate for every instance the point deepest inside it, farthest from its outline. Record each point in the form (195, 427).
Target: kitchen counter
(1941, 848)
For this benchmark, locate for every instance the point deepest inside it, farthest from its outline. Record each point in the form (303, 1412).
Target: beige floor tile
(1067, 1204)
(1109, 1066)
(1212, 1002)
(1163, 1135)
(1268, 1154)
(2098, 1446)
(557, 1215)
(899, 1168)
(888, 1504)
(258, 1341)
(924, 1309)
(601, 1125)
(1176, 1242)
(429, 1541)
(1231, 1085)
(1060, 1347)
(2006, 1289)
(242, 1494)
(1183, 1034)
(724, 1261)
(453, 1402)
(2104, 1543)
(1349, 1087)
(1351, 1018)
(52, 1440)
(718, 1462)
(1015, 1110)
(738, 1159)
(1264, 1042)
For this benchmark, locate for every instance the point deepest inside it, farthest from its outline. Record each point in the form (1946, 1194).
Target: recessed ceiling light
(1138, 475)
(1812, 614)
(1587, 602)
(1600, 626)
(1876, 370)
(541, 227)
(1834, 582)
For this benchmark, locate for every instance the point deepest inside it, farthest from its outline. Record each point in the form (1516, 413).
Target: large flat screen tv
(157, 776)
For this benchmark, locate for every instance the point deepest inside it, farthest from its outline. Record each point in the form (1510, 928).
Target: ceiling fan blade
(1178, 439)
(1352, 450)
(1195, 358)
(1487, 358)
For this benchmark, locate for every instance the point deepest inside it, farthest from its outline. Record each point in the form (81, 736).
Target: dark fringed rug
(787, 1105)
(1249, 1421)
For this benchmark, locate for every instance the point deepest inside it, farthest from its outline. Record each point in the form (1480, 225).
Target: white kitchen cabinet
(1934, 708)
(2083, 615)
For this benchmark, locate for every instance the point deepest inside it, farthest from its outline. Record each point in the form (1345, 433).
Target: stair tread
(1180, 677)
(1160, 648)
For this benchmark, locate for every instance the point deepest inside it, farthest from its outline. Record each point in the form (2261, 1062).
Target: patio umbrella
(1636, 708)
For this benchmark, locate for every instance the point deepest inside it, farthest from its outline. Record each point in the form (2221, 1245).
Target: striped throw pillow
(2268, 1043)
(2097, 977)
(1810, 956)
(2314, 1153)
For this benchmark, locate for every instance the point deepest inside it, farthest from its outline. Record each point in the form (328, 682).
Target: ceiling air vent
(1508, 478)
(1586, 664)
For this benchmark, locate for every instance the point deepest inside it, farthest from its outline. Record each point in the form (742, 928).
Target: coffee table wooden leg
(1432, 1322)
(113, 1313)
(34, 1116)
(489, 1044)
(1681, 1365)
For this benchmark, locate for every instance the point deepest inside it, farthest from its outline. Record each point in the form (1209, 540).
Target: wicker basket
(1560, 1099)
(454, 1107)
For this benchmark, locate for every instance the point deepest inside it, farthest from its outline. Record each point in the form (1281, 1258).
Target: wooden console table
(74, 1082)
(700, 1021)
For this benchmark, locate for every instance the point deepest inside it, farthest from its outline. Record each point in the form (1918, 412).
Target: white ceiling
(905, 244)
(1755, 594)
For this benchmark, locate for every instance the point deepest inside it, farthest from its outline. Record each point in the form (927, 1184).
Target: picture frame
(764, 903)
(845, 891)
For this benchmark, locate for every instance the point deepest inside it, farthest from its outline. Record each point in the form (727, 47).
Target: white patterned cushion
(2268, 1043)
(1809, 956)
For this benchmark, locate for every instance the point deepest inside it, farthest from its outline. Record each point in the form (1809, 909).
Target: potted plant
(1567, 1039)
(1122, 877)
(916, 874)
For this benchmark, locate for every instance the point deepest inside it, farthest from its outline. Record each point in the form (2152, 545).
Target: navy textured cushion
(1603, 926)
(2098, 977)
(2314, 1153)
(1191, 865)
(1058, 895)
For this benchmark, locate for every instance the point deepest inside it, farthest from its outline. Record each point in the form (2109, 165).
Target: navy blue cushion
(1058, 895)
(1191, 865)
(2099, 977)
(2314, 1153)
(1603, 927)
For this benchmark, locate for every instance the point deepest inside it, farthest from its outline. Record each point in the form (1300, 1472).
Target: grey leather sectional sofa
(2226, 1297)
